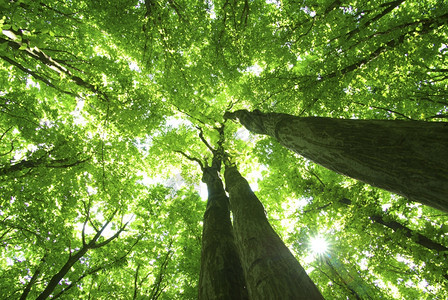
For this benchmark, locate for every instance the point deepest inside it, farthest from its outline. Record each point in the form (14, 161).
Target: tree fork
(271, 271)
(409, 158)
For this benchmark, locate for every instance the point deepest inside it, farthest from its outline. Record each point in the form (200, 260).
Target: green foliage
(99, 98)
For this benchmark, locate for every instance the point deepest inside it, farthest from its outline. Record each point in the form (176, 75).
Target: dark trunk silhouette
(221, 275)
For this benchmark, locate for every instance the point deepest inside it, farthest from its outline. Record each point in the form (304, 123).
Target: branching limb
(189, 115)
(87, 212)
(157, 288)
(112, 237)
(97, 269)
(35, 75)
(191, 158)
(201, 136)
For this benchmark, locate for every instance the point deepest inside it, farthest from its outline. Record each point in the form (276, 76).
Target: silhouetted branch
(385, 109)
(201, 136)
(190, 158)
(33, 279)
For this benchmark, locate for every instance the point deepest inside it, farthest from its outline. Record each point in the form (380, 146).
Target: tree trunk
(409, 158)
(270, 269)
(221, 275)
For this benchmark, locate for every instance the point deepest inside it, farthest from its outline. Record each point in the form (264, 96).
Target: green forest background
(98, 99)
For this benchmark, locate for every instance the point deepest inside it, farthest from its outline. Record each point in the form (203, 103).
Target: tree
(407, 158)
(269, 267)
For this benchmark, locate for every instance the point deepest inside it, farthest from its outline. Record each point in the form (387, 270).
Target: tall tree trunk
(221, 275)
(409, 158)
(270, 269)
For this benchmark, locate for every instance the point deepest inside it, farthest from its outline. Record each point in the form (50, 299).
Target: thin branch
(189, 115)
(4, 133)
(385, 109)
(35, 75)
(111, 238)
(437, 117)
(12, 149)
(68, 165)
(92, 243)
(87, 211)
(201, 136)
(328, 276)
(156, 289)
(344, 282)
(317, 208)
(389, 7)
(136, 283)
(332, 6)
(83, 232)
(41, 56)
(191, 158)
(314, 174)
(99, 268)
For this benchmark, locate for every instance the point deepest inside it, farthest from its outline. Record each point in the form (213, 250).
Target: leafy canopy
(97, 98)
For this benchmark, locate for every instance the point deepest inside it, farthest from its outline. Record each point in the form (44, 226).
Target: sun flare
(318, 245)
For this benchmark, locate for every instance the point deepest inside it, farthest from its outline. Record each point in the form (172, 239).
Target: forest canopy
(106, 108)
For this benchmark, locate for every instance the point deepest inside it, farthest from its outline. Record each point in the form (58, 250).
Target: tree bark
(409, 158)
(270, 269)
(221, 275)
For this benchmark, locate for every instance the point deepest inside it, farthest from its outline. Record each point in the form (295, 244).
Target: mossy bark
(409, 158)
(221, 275)
(270, 269)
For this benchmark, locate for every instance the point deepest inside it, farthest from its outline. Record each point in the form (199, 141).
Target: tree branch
(191, 158)
(201, 136)
(33, 279)
(385, 109)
